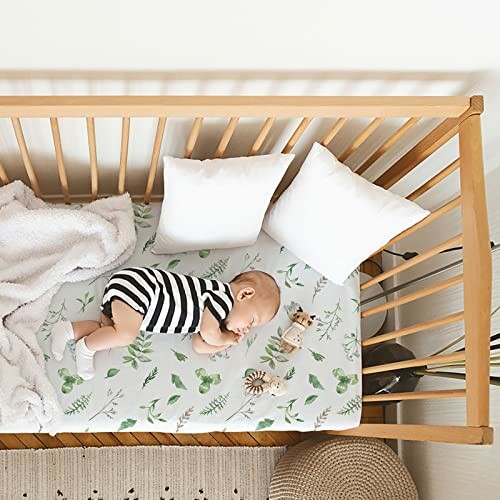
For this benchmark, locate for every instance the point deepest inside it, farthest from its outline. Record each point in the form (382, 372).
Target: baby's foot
(62, 332)
(84, 360)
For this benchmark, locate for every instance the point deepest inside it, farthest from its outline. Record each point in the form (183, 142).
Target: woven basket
(344, 468)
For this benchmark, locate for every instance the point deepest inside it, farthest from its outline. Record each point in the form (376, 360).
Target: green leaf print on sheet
(316, 355)
(246, 408)
(151, 409)
(126, 424)
(314, 381)
(264, 424)
(319, 286)
(108, 408)
(184, 418)
(216, 269)
(142, 213)
(179, 355)
(206, 380)
(85, 301)
(274, 351)
(176, 380)
(149, 243)
(310, 399)
(351, 406)
(351, 345)
(248, 371)
(249, 264)
(289, 278)
(290, 373)
(173, 399)
(204, 253)
(55, 315)
(216, 405)
(150, 377)
(344, 381)
(173, 263)
(78, 405)
(68, 380)
(289, 412)
(357, 305)
(112, 372)
(329, 322)
(321, 418)
(138, 350)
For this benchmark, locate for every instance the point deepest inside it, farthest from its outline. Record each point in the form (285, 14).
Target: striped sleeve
(219, 300)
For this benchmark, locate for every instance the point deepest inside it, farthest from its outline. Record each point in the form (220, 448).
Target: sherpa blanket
(43, 246)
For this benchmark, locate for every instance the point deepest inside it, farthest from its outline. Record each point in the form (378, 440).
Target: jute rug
(142, 472)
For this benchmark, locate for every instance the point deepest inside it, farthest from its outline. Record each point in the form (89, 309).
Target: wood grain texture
(228, 106)
(477, 272)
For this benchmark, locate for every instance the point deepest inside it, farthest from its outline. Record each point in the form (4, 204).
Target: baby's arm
(201, 347)
(211, 333)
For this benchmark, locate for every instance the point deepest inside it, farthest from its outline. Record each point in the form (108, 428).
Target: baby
(153, 300)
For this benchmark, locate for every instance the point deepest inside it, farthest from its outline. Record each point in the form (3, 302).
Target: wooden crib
(458, 115)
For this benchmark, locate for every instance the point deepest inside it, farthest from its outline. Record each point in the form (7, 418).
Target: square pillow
(333, 219)
(216, 203)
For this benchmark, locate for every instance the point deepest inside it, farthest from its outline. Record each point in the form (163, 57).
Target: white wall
(308, 47)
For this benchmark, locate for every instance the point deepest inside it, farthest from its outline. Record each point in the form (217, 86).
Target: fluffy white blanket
(43, 246)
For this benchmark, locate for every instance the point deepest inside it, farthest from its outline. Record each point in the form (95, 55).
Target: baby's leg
(64, 331)
(126, 324)
(122, 331)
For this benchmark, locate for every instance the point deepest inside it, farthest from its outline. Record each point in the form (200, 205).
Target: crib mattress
(160, 384)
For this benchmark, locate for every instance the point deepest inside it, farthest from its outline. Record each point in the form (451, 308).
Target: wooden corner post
(477, 270)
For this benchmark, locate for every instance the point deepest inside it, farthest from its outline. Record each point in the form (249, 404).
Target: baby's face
(246, 315)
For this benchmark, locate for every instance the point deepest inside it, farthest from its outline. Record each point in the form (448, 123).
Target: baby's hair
(257, 279)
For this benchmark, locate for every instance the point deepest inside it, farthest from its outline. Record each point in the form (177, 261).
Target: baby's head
(256, 301)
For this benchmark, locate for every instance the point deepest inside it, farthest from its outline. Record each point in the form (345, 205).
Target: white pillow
(333, 219)
(216, 203)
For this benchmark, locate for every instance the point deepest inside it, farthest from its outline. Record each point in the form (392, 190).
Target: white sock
(62, 333)
(84, 360)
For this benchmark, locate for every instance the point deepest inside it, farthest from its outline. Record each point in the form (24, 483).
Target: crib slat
(410, 330)
(412, 363)
(186, 440)
(193, 137)
(63, 178)
(374, 124)
(69, 440)
(50, 441)
(387, 144)
(3, 175)
(424, 292)
(226, 137)
(23, 149)
(123, 154)
(264, 131)
(434, 180)
(160, 128)
(146, 438)
(296, 135)
(421, 151)
(126, 438)
(408, 396)
(93, 156)
(337, 126)
(412, 262)
(206, 439)
(447, 207)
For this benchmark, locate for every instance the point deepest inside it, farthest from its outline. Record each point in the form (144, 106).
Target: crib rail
(460, 115)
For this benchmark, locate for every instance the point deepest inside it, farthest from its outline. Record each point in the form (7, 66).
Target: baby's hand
(234, 338)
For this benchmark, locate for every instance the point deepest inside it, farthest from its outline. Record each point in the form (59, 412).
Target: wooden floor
(370, 414)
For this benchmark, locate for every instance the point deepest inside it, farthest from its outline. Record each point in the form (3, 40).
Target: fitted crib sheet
(160, 384)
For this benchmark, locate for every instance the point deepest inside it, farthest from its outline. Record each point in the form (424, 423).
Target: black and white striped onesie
(169, 302)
